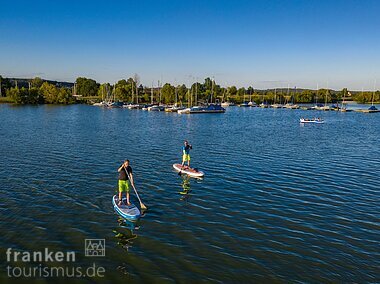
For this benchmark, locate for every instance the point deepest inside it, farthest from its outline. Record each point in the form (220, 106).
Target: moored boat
(371, 109)
(131, 106)
(101, 104)
(276, 106)
(313, 120)
(227, 104)
(156, 108)
(174, 108)
(325, 108)
(212, 108)
(115, 105)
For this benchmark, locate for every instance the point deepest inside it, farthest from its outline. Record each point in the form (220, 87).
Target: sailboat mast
(132, 91)
(344, 96)
(374, 90)
(294, 95)
(175, 93)
(316, 96)
(160, 94)
(275, 95)
(151, 94)
(212, 89)
(287, 95)
(196, 93)
(114, 92)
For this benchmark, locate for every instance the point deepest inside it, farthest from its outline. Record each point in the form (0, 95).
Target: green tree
(306, 96)
(5, 85)
(104, 90)
(64, 96)
(168, 93)
(218, 93)
(24, 96)
(86, 87)
(37, 82)
(15, 95)
(123, 91)
(53, 95)
(49, 92)
(231, 91)
(250, 90)
(197, 92)
(181, 93)
(207, 85)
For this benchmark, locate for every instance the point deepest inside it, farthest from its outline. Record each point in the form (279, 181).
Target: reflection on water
(319, 222)
(124, 233)
(185, 186)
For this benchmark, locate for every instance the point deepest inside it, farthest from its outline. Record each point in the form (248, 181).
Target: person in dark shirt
(186, 153)
(125, 180)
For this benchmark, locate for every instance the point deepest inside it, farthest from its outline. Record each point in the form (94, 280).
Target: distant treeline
(39, 91)
(35, 91)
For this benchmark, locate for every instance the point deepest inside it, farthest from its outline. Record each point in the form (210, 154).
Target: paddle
(138, 197)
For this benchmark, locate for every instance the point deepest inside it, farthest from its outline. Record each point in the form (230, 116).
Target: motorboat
(212, 108)
(312, 120)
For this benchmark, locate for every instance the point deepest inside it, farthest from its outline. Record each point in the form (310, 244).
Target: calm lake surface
(280, 201)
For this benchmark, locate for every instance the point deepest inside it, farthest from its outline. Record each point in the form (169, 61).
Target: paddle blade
(143, 207)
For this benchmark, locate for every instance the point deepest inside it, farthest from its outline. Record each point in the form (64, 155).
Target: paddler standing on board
(186, 154)
(125, 180)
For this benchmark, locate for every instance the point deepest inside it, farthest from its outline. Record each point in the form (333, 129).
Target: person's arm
(120, 168)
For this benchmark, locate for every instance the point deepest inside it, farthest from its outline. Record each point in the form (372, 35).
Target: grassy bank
(5, 100)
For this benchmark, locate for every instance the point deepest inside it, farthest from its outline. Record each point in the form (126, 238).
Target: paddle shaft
(132, 183)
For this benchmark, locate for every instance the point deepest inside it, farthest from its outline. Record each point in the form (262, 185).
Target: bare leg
(188, 164)
(120, 197)
(128, 203)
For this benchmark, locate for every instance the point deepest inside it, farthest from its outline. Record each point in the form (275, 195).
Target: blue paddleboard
(130, 212)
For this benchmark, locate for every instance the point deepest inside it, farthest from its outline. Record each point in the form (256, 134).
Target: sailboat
(292, 105)
(244, 103)
(317, 105)
(344, 105)
(103, 103)
(263, 103)
(251, 103)
(174, 108)
(276, 105)
(288, 105)
(113, 103)
(372, 108)
(325, 107)
(226, 103)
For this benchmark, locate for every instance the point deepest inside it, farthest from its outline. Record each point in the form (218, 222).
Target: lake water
(280, 201)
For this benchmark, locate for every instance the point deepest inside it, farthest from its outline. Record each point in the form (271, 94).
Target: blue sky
(259, 43)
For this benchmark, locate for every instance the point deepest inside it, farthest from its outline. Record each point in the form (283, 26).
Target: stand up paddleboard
(189, 171)
(130, 212)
